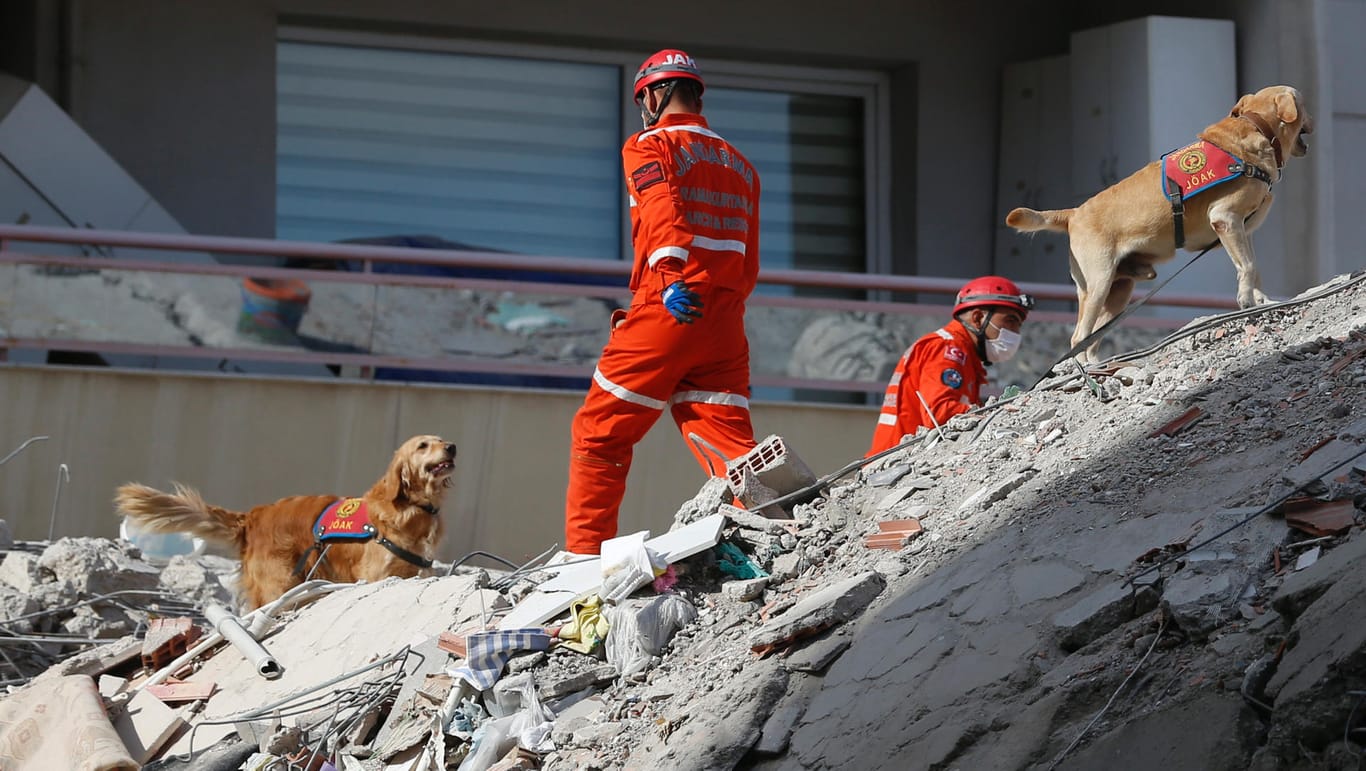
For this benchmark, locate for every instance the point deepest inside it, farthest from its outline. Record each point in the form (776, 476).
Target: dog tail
(183, 511)
(1029, 221)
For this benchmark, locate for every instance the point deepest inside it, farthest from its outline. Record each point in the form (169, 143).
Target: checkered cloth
(488, 652)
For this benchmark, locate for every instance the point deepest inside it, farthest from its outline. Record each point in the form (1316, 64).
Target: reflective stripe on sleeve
(665, 252)
(886, 420)
(719, 245)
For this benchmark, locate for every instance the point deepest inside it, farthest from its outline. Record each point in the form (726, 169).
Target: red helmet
(668, 64)
(992, 291)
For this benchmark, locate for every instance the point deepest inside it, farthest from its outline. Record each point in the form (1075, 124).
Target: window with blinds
(808, 149)
(491, 152)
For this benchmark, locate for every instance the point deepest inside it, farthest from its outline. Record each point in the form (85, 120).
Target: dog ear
(1240, 106)
(393, 483)
(1286, 108)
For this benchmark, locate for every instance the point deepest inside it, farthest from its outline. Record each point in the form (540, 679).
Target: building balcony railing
(155, 299)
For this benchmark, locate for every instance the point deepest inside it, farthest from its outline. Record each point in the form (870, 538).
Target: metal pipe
(261, 621)
(230, 627)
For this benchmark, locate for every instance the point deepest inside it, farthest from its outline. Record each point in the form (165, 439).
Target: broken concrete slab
(353, 625)
(1332, 457)
(1099, 612)
(753, 521)
(1044, 580)
(144, 724)
(777, 730)
(816, 656)
(992, 493)
(22, 571)
(888, 476)
(1228, 731)
(821, 609)
(1300, 589)
(744, 590)
(719, 727)
(708, 501)
(1327, 659)
(97, 566)
(1198, 603)
(555, 689)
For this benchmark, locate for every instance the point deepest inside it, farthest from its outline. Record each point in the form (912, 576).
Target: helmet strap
(651, 118)
(981, 335)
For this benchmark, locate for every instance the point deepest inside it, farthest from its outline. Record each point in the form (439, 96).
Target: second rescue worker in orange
(694, 203)
(942, 373)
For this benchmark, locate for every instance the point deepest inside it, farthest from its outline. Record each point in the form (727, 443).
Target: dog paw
(1252, 298)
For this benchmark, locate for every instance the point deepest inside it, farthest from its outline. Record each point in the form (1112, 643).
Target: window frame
(873, 87)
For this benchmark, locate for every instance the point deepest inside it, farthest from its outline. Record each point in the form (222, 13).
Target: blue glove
(681, 302)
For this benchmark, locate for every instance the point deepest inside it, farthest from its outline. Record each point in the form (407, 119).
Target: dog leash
(1130, 308)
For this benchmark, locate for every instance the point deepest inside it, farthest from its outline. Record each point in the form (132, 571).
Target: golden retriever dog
(1117, 235)
(276, 541)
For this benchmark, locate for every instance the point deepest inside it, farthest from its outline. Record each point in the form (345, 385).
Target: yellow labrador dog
(1121, 232)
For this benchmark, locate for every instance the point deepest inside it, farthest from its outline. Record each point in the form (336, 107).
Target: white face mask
(1005, 345)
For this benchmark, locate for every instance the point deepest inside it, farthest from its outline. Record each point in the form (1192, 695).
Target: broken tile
(166, 640)
(182, 692)
(1179, 424)
(1319, 518)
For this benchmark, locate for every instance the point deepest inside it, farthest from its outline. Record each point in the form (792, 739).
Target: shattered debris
(1048, 584)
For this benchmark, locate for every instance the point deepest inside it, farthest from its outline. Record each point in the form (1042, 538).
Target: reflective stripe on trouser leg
(726, 427)
(605, 431)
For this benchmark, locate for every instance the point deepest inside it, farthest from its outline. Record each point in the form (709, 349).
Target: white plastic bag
(641, 628)
(627, 565)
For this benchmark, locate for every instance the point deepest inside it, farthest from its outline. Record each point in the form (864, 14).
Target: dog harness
(1196, 168)
(348, 519)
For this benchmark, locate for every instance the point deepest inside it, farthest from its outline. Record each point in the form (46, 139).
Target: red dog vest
(1198, 167)
(345, 519)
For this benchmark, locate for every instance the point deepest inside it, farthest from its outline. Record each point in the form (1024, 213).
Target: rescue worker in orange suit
(942, 373)
(694, 203)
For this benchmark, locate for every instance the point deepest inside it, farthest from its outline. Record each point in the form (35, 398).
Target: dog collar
(404, 554)
(1265, 131)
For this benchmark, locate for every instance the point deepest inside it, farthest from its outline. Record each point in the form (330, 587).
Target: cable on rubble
(1161, 627)
(1259, 512)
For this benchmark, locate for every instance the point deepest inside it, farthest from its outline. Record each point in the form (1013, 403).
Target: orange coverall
(694, 217)
(945, 368)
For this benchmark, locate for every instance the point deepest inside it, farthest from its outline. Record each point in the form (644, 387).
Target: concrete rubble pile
(1156, 564)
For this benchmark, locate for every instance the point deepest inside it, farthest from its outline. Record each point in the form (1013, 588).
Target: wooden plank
(145, 725)
(182, 692)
